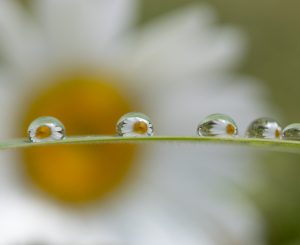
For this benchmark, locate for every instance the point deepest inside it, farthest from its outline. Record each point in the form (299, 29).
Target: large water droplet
(264, 128)
(291, 132)
(217, 125)
(134, 124)
(44, 129)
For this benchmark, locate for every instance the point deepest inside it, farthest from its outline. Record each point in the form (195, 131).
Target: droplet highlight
(291, 132)
(217, 125)
(45, 129)
(134, 124)
(266, 128)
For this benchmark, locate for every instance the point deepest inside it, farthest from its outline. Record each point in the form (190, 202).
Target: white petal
(110, 18)
(9, 169)
(270, 132)
(219, 128)
(162, 52)
(20, 43)
(26, 219)
(80, 30)
(153, 226)
(197, 177)
(56, 136)
(58, 129)
(197, 184)
(204, 96)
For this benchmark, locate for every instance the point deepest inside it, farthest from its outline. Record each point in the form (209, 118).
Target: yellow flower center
(277, 133)
(81, 173)
(140, 127)
(43, 132)
(230, 129)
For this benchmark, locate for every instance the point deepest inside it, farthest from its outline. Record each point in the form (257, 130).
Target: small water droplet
(134, 124)
(217, 125)
(266, 128)
(292, 132)
(45, 129)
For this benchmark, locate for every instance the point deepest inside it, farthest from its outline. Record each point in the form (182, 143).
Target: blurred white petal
(161, 51)
(79, 29)
(21, 47)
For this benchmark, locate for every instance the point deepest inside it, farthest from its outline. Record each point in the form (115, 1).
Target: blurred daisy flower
(86, 63)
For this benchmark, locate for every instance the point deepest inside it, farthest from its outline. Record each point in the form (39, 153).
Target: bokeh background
(272, 29)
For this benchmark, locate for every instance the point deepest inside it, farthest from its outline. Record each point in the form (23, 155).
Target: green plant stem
(277, 145)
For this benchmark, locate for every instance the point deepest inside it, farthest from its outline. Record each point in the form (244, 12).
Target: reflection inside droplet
(134, 124)
(45, 129)
(264, 128)
(217, 125)
(292, 132)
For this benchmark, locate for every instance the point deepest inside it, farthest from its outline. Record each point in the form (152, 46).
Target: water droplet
(292, 132)
(134, 124)
(217, 125)
(45, 129)
(264, 128)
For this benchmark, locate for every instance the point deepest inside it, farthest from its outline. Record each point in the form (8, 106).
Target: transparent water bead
(134, 124)
(217, 125)
(45, 129)
(264, 128)
(291, 132)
